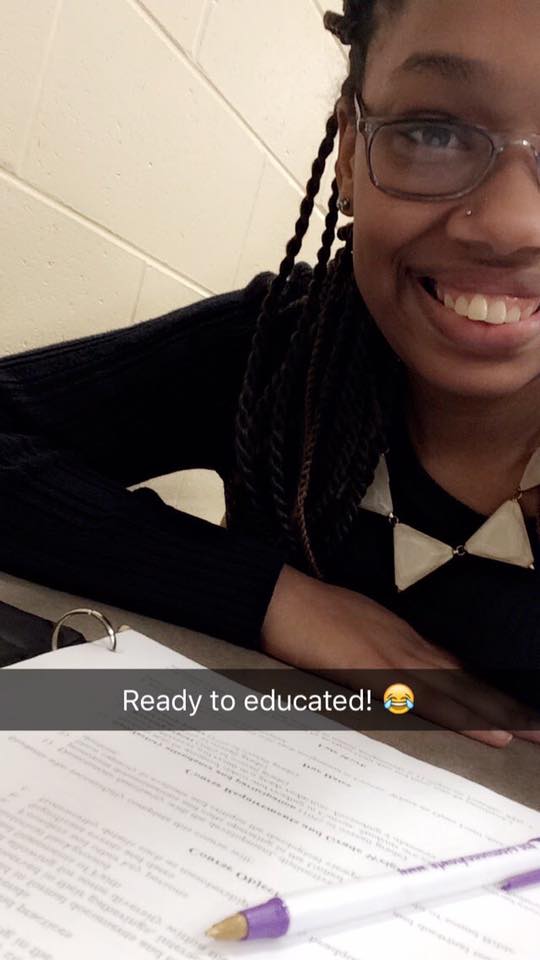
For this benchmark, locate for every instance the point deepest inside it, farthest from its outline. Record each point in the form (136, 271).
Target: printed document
(129, 844)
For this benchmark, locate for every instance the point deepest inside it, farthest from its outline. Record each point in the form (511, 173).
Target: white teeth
(462, 306)
(486, 309)
(478, 308)
(497, 312)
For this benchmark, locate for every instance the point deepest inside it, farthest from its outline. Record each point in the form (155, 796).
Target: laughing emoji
(398, 698)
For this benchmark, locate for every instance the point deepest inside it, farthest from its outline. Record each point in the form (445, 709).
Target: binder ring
(91, 613)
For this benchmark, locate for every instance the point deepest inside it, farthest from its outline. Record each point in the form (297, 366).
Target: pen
(511, 868)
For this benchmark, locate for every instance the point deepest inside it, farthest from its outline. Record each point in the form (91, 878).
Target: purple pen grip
(270, 919)
(522, 880)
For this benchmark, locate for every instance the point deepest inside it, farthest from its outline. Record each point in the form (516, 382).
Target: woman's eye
(438, 137)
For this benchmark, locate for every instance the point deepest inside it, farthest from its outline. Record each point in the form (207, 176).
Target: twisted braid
(310, 427)
(246, 424)
(341, 452)
(316, 404)
(300, 346)
(304, 343)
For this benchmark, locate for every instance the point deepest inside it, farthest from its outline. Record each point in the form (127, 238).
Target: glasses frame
(368, 126)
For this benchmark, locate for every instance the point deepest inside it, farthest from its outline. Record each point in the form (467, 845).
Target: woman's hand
(320, 627)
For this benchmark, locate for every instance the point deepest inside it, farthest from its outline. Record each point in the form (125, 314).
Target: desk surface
(513, 771)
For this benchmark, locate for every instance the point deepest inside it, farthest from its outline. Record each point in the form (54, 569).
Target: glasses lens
(429, 157)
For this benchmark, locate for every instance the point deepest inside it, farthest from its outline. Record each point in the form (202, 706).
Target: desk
(513, 771)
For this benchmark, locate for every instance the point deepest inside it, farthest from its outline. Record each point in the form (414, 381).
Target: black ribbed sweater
(82, 421)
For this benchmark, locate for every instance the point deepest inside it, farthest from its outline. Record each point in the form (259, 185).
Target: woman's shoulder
(223, 318)
(289, 304)
(296, 286)
(219, 320)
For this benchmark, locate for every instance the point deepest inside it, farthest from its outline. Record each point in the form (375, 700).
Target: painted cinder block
(162, 292)
(199, 492)
(283, 74)
(25, 27)
(58, 278)
(181, 20)
(130, 136)
(276, 210)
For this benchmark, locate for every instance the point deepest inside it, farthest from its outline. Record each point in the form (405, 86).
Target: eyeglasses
(432, 159)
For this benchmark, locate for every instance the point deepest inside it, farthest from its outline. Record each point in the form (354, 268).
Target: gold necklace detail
(503, 536)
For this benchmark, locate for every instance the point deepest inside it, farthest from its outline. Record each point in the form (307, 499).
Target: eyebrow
(451, 66)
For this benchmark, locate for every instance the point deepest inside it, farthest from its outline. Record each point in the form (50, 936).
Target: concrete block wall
(152, 153)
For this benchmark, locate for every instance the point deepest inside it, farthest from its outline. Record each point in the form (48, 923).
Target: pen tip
(232, 928)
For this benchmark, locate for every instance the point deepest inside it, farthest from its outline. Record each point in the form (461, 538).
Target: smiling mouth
(494, 310)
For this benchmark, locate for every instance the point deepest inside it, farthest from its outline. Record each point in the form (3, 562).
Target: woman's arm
(141, 401)
(81, 421)
(324, 628)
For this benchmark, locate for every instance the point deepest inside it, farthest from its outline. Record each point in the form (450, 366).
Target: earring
(468, 213)
(344, 204)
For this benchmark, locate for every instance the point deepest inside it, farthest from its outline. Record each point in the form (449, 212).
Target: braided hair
(312, 414)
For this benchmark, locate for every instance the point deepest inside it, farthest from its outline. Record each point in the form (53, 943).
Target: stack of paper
(130, 844)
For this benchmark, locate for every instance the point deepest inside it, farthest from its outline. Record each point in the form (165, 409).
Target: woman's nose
(505, 206)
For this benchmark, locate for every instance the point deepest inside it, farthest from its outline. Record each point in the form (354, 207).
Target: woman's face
(494, 252)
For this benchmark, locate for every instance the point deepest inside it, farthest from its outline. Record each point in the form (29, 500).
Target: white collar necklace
(503, 536)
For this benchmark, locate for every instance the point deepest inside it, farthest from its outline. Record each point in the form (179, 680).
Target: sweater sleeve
(83, 420)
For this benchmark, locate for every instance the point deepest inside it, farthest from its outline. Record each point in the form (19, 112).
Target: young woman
(375, 419)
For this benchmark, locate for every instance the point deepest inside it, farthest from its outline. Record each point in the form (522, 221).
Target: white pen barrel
(329, 906)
